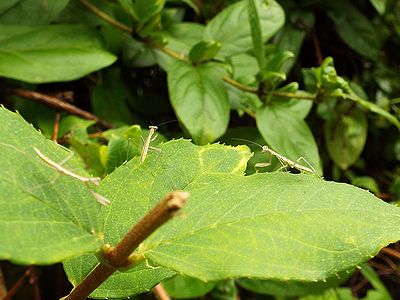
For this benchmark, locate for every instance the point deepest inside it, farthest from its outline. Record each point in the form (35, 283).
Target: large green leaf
(249, 226)
(45, 217)
(288, 134)
(199, 99)
(232, 29)
(256, 35)
(134, 188)
(51, 53)
(30, 12)
(240, 226)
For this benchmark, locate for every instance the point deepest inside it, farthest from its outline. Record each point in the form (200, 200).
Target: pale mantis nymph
(146, 144)
(282, 159)
(95, 180)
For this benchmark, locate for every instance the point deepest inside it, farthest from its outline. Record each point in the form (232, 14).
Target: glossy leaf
(345, 137)
(199, 99)
(39, 54)
(289, 135)
(232, 29)
(45, 217)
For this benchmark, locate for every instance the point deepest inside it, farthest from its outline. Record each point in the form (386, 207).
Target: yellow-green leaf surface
(231, 26)
(39, 54)
(45, 217)
(135, 188)
(274, 225)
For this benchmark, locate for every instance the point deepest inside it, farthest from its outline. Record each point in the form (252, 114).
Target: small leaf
(379, 5)
(345, 137)
(204, 51)
(199, 99)
(39, 54)
(256, 35)
(288, 134)
(45, 217)
(183, 287)
(232, 29)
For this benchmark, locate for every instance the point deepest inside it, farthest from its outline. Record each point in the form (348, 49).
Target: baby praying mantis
(146, 144)
(282, 159)
(95, 180)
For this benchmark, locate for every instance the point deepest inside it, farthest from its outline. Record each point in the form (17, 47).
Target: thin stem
(118, 256)
(16, 287)
(3, 287)
(391, 252)
(56, 126)
(294, 95)
(160, 292)
(172, 53)
(106, 17)
(239, 85)
(57, 103)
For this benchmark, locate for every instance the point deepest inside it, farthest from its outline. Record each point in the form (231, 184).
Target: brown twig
(106, 17)
(317, 48)
(3, 287)
(391, 252)
(160, 292)
(33, 280)
(56, 126)
(118, 256)
(16, 286)
(57, 103)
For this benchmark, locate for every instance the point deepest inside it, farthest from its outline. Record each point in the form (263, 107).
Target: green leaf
(355, 29)
(240, 219)
(109, 99)
(45, 217)
(379, 5)
(39, 54)
(199, 99)
(375, 109)
(181, 287)
(134, 188)
(30, 12)
(291, 37)
(225, 290)
(288, 134)
(345, 137)
(281, 213)
(373, 278)
(181, 38)
(147, 9)
(366, 182)
(204, 51)
(290, 288)
(232, 29)
(256, 35)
